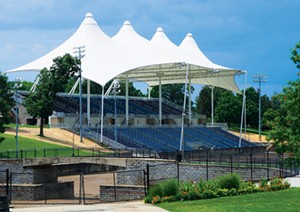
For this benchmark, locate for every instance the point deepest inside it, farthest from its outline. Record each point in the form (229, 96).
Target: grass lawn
(286, 200)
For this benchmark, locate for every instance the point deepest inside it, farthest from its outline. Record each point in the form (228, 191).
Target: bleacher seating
(140, 106)
(163, 139)
(160, 139)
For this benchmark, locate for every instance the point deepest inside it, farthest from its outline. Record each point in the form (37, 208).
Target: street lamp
(16, 87)
(116, 86)
(259, 78)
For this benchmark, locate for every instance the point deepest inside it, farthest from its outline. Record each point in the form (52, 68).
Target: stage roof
(128, 55)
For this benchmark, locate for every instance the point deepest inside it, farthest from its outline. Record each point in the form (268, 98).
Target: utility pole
(80, 50)
(259, 78)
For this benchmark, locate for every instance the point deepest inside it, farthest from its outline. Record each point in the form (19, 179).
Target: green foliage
(295, 57)
(155, 190)
(6, 103)
(229, 181)
(173, 93)
(40, 103)
(223, 186)
(166, 188)
(203, 101)
(286, 124)
(170, 187)
(229, 108)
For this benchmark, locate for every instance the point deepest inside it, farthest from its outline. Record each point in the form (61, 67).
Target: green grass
(286, 200)
(34, 148)
(249, 130)
(12, 125)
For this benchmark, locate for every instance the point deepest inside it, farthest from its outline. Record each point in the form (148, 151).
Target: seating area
(139, 106)
(165, 139)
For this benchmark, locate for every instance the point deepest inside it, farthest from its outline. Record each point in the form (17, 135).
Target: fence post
(115, 189)
(80, 186)
(231, 164)
(178, 172)
(268, 165)
(251, 167)
(207, 166)
(7, 182)
(46, 188)
(148, 177)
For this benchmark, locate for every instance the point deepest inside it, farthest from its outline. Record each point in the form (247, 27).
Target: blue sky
(256, 36)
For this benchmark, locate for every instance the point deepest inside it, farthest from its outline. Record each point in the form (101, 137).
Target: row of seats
(162, 139)
(140, 106)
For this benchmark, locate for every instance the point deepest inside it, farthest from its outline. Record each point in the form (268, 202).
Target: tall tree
(6, 103)
(203, 101)
(229, 108)
(40, 103)
(286, 125)
(171, 92)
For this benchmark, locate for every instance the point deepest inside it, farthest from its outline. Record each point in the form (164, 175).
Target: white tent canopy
(128, 55)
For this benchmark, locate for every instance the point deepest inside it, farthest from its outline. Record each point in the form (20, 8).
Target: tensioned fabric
(127, 55)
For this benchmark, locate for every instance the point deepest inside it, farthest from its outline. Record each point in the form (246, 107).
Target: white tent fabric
(128, 55)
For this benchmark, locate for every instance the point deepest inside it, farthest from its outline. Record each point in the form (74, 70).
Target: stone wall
(121, 193)
(41, 191)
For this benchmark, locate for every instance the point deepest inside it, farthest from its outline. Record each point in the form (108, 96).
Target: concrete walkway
(107, 207)
(294, 181)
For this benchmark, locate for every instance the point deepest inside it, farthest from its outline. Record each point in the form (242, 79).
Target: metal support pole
(190, 101)
(17, 86)
(127, 101)
(80, 50)
(102, 111)
(243, 109)
(160, 101)
(212, 105)
(181, 147)
(89, 102)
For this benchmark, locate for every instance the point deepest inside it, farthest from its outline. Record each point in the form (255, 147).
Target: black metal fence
(79, 152)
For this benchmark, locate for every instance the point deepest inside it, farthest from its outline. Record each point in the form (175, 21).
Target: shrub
(169, 187)
(263, 183)
(155, 190)
(229, 181)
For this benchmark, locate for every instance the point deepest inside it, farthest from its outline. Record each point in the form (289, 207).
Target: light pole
(80, 50)
(259, 78)
(17, 86)
(116, 86)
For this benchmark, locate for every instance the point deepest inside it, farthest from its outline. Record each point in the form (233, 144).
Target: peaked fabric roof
(127, 55)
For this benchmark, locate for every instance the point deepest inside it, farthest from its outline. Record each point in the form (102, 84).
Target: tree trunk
(42, 127)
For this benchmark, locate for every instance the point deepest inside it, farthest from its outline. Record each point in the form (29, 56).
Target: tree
(26, 85)
(6, 103)
(171, 92)
(203, 101)
(286, 125)
(40, 103)
(229, 108)
(295, 57)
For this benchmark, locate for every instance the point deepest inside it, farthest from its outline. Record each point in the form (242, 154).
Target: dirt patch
(55, 136)
(252, 137)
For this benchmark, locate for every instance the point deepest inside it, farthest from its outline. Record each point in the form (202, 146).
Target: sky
(256, 36)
